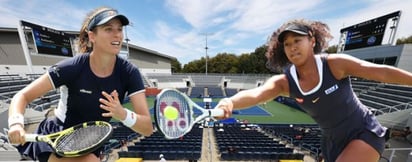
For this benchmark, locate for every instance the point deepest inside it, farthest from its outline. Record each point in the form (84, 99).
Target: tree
(196, 66)
(259, 58)
(223, 63)
(404, 40)
(254, 62)
(245, 64)
(176, 66)
(332, 49)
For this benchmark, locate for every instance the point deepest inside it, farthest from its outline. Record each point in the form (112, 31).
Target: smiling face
(298, 47)
(107, 38)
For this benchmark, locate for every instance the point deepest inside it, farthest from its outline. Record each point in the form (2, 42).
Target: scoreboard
(50, 41)
(368, 33)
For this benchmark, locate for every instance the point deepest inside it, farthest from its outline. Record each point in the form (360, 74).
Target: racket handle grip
(30, 137)
(217, 112)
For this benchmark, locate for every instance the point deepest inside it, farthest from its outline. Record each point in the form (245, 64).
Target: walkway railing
(391, 109)
(393, 150)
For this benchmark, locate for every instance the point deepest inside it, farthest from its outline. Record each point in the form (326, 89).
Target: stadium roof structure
(7, 29)
(150, 51)
(4, 29)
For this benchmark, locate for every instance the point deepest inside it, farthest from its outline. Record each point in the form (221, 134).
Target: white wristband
(229, 102)
(16, 119)
(130, 119)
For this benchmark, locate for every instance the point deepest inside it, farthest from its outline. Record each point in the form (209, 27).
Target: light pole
(127, 43)
(206, 48)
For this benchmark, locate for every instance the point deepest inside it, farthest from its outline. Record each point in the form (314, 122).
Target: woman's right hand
(226, 105)
(16, 134)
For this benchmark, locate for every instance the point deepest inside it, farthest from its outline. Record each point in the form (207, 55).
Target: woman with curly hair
(320, 84)
(92, 85)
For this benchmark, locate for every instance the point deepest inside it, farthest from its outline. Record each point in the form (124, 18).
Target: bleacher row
(149, 148)
(382, 98)
(10, 84)
(305, 136)
(237, 143)
(234, 142)
(212, 85)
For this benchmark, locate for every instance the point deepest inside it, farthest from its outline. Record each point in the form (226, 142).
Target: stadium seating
(216, 92)
(206, 81)
(185, 148)
(120, 134)
(382, 97)
(183, 90)
(237, 143)
(197, 92)
(230, 91)
(304, 136)
(10, 84)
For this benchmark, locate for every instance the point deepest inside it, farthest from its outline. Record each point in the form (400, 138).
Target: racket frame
(53, 139)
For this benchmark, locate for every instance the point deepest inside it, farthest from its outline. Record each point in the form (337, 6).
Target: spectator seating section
(305, 136)
(236, 143)
(380, 97)
(120, 133)
(185, 148)
(230, 91)
(12, 83)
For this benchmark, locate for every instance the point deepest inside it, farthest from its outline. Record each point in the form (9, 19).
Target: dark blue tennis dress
(339, 113)
(80, 90)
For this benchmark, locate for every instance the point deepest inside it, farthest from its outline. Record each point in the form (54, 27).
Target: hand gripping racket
(78, 140)
(185, 119)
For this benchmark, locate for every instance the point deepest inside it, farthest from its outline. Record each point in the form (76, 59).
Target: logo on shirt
(54, 69)
(85, 91)
(315, 100)
(331, 89)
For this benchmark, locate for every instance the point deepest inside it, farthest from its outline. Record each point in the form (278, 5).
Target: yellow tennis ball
(171, 113)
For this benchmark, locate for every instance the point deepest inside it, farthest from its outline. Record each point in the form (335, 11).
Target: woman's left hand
(112, 105)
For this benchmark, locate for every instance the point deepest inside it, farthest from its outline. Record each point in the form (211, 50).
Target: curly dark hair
(84, 44)
(275, 53)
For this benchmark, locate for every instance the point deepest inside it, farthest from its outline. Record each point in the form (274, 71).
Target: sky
(182, 28)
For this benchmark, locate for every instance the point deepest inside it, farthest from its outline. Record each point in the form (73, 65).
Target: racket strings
(82, 138)
(178, 127)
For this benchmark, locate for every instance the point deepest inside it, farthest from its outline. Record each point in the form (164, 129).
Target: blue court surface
(255, 110)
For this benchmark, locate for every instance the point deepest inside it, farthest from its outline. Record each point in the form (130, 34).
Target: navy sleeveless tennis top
(332, 103)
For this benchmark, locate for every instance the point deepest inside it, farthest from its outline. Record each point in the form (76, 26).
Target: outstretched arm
(343, 65)
(272, 88)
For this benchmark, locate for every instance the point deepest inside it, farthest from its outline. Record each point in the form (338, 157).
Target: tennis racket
(78, 140)
(178, 127)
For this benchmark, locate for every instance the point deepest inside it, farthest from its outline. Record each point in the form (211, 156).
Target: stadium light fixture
(127, 42)
(206, 48)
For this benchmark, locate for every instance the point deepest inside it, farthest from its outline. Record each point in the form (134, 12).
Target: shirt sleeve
(135, 82)
(64, 71)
